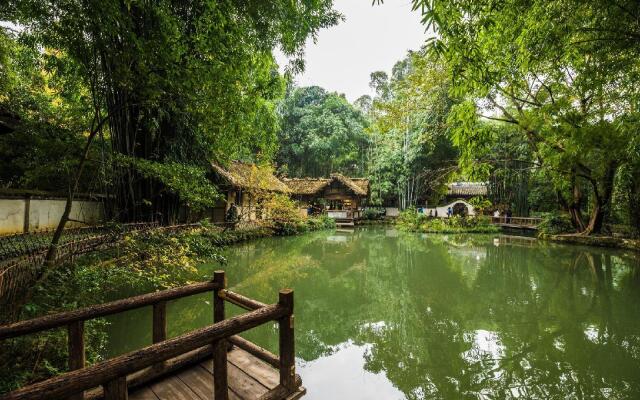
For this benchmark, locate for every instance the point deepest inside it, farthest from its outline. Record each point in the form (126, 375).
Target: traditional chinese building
(341, 197)
(457, 198)
(242, 183)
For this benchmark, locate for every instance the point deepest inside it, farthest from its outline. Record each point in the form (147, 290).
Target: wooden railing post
(218, 296)
(160, 322)
(159, 329)
(116, 389)
(287, 342)
(75, 341)
(220, 389)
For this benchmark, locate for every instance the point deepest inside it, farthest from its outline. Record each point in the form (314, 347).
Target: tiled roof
(307, 186)
(467, 189)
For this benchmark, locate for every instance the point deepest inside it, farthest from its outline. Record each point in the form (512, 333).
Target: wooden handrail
(240, 300)
(101, 310)
(251, 348)
(516, 220)
(62, 386)
(112, 374)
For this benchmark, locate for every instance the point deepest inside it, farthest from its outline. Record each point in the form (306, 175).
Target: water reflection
(383, 314)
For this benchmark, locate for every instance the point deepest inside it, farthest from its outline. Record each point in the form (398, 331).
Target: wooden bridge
(207, 363)
(528, 223)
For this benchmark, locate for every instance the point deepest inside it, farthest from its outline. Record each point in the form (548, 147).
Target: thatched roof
(249, 176)
(467, 189)
(306, 185)
(309, 186)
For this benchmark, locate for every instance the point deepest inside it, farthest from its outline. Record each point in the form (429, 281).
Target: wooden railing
(521, 221)
(164, 355)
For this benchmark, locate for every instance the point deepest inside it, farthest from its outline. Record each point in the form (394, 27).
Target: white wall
(45, 214)
(442, 210)
(391, 211)
(11, 216)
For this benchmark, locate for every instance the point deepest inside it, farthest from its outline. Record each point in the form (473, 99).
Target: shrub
(555, 224)
(413, 221)
(373, 213)
(285, 228)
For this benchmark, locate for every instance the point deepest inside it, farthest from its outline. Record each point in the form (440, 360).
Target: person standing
(449, 212)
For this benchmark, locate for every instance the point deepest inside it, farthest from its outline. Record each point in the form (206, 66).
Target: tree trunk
(573, 206)
(601, 200)
(73, 187)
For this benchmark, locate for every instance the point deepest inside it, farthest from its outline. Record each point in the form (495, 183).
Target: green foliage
(412, 221)
(293, 227)
(44, 113)
(373, 213)
(181, 82)
(481, 204)
(411, 155)
(563, 73)
(320, 133)
(189, 182)
(555, 224)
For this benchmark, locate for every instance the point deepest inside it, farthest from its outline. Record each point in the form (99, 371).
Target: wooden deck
(249, 378)
(173, 368)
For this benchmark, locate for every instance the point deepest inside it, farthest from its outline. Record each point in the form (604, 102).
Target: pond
(382, 314)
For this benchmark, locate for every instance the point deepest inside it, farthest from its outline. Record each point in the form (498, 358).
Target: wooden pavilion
(339, 196)
(241, 184)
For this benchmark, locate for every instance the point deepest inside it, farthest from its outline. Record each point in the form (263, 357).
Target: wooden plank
(244, 385)
(143, 394)
(298, 394)
(201, 382)
(140, 378)
(240, 382)
(172, 388)
(256, 368)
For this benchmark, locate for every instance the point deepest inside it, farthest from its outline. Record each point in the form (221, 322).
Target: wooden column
(218, 296)
(159, 329)
(160, 322)
(220, 389)
(27, 211)
(75, 342)
(116, 389)
(287, 342)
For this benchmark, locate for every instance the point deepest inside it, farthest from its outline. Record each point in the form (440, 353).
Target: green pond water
(382, 314)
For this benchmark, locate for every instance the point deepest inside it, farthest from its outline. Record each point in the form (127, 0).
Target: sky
(371, 38)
